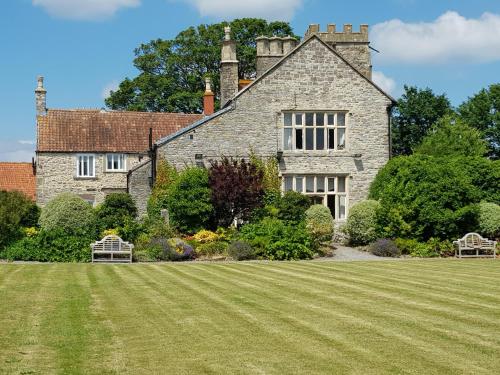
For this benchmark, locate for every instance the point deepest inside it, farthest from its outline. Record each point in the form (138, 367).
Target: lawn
(425, 317)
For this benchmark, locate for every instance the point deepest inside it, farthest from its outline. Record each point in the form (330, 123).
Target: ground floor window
(329, 190)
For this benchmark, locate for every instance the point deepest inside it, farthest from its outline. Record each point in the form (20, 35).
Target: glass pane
(340, 119)
(320, 119)
(317, 200)
(341, 184)
(288, 183)
(342, 202)
(115, 162)
(110, 161)
(288, 119)
(320, 138)
(331, 184)
(80, 169)
(299, 184)
(320, 184)
(287, 139)
(309, 184)
(298, 139)
(341, 138)
(309, 139)
(309, 119)
(331, 139)
(331, 119)
(85, 166)
(298, 119)
(121, 161)
(331, 204)
(91, 166)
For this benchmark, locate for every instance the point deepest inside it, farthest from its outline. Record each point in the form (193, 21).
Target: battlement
(345, 36)
(275, 46)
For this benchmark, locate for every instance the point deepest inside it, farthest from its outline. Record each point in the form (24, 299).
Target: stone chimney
(40, 98)
(271, 49)
(208, 98)
(228, 69)
(353, 46)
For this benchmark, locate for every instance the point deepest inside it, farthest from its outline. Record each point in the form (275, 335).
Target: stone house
(312, 105)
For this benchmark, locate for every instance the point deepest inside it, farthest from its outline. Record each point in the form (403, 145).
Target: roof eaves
(193, 126)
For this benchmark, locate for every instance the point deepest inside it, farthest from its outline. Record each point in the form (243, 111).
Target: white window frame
(121, 159)
(80, 159)
(326, 127)
(323, 195)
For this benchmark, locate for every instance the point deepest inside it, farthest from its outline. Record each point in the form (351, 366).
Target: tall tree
(482, 111)
(417, 110)
(171, 72)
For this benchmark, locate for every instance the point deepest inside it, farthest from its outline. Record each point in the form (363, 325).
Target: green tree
(16, 212)
(451, 136)
(482, 111)
(171, 72)
(416, 112)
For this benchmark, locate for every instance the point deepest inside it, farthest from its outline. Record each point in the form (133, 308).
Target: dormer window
(314, 131)
(116, 163)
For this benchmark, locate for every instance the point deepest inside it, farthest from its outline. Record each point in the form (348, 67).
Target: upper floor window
(314, 131)
(85, 166)
(116, 162)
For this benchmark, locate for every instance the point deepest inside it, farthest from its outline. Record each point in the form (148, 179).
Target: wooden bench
(472, 245)
(114, 248)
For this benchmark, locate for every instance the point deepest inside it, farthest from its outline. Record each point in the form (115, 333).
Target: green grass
(421, 317)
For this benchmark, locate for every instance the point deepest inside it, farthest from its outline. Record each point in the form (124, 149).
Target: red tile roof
(18, 176)
(102, 131)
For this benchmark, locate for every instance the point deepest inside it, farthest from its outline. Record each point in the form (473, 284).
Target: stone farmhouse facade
(312, 105)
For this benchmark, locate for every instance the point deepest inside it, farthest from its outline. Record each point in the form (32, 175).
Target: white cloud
(282, 10)
(84, 9)
(17, 150)
(26, 142)
(106, 91)
(449, 38)
(385, 83)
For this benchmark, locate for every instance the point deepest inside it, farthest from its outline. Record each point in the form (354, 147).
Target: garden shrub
(432, 248)
(116, 210)
(320, 224)
(361, 224)
(206, 236)
(240, 250)
(385, 248)
(161, 248)
(292, 207)
(269, 167)
(424, 197)
(211, 249)
(16, 212)
(69, 213)
(489, 219)
(189, 201)
(274, 239)
(54, 245)
(166, 175)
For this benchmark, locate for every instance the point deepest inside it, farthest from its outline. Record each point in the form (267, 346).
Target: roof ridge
(96, 110)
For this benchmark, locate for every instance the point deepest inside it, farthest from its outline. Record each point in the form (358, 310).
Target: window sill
(112, 171)
(84, 178)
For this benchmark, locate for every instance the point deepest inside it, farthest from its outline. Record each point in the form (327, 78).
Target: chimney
(270, 50)
(208, 98)
(40, 98)
(228, 69)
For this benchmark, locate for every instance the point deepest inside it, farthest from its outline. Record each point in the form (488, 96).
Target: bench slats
(112, 245)
(473, 242)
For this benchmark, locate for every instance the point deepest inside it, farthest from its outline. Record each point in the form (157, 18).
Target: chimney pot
(40, 98)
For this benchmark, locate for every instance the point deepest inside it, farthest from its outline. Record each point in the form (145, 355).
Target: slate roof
(19, 177)
(93, 130)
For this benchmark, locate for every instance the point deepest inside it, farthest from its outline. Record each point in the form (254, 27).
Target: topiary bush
(385, 248)
(16, 212)
(116, 210)
(320, 224)
(69, 213)
(361, 224)
(292, 207)
(489, 219)
(189, 201)
(240, 250)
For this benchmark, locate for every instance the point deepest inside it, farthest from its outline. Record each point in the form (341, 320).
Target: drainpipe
(152, 157)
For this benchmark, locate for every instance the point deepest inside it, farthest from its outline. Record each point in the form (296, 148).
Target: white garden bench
(472, 245)
(112, 249)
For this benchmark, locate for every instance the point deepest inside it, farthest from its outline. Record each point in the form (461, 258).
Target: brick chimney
(40, 98)
(228, 69)
(208, 98)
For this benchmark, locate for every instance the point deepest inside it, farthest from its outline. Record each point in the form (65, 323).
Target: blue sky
(85, 47)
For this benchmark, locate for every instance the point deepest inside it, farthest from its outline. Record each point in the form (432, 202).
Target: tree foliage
(451, 136)
(166, 175)
(237, 189)
(482, 111)
(416, 112)
(171, 72)
(116, 210)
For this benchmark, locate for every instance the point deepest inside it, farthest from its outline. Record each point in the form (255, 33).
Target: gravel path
(344, 253)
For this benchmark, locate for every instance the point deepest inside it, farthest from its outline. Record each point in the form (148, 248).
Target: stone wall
(139, 186)
(56, 174)
(312, 78)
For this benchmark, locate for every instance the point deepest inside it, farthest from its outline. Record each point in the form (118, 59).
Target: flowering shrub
(385, 248)
(206, 236)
